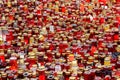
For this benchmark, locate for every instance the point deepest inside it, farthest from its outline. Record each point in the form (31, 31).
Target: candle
(26, 39)
(90, 59)
(71, 57)
(31, 60)
(72, 78)
(86, 75)
(63, 9)
(4, 76)
(2, 56)
(58, 68)
(67, 75)
(107, 61)
(107, 77)
(31, 40)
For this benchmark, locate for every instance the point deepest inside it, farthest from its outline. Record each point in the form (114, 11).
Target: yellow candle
(107, 61)
(31, 40)
(107, 28)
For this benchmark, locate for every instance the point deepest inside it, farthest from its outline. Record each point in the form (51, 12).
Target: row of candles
(59, 40)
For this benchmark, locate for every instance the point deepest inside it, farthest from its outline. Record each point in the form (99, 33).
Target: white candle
(51, 28)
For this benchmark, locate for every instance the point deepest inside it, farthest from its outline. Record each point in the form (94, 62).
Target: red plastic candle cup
(13, 63)
(42, 75)
(31, 60)
(2, 57)
(67, 75)
(86, 75)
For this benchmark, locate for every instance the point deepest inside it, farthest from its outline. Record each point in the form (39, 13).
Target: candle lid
(67, 72)
(107, 58)
(34, 65)
(95, 55)
(34, 74)
(72, 78)
(19, 44)
(32, 57)
(40, 53)
(60, 73)
(21, 61)
(1, 53)
(103, 55)
(20, 71)
(91, 57)
(4, 74)
(96, 61)
(56, 78)
(99, 66)
(31, 53)
(89, 62)
(87, 55)
(42, 68)
(79, 72)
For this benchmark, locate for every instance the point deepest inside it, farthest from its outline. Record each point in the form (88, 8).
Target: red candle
(13, 63)
(51, 47)
(102, 20)
(116, 37)
(31, 62)
(82, 8)
(49, 55)
(42, 73)
(117, 1)
(26, 39)
(88, 0)
(93, 50)
(107, 77)
(103, 1)
(2, 57)
(86, 75)
(11, 17)
(63, 9)
(67, 75)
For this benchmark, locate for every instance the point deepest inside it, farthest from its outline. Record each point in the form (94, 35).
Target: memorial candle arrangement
(60, 40)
